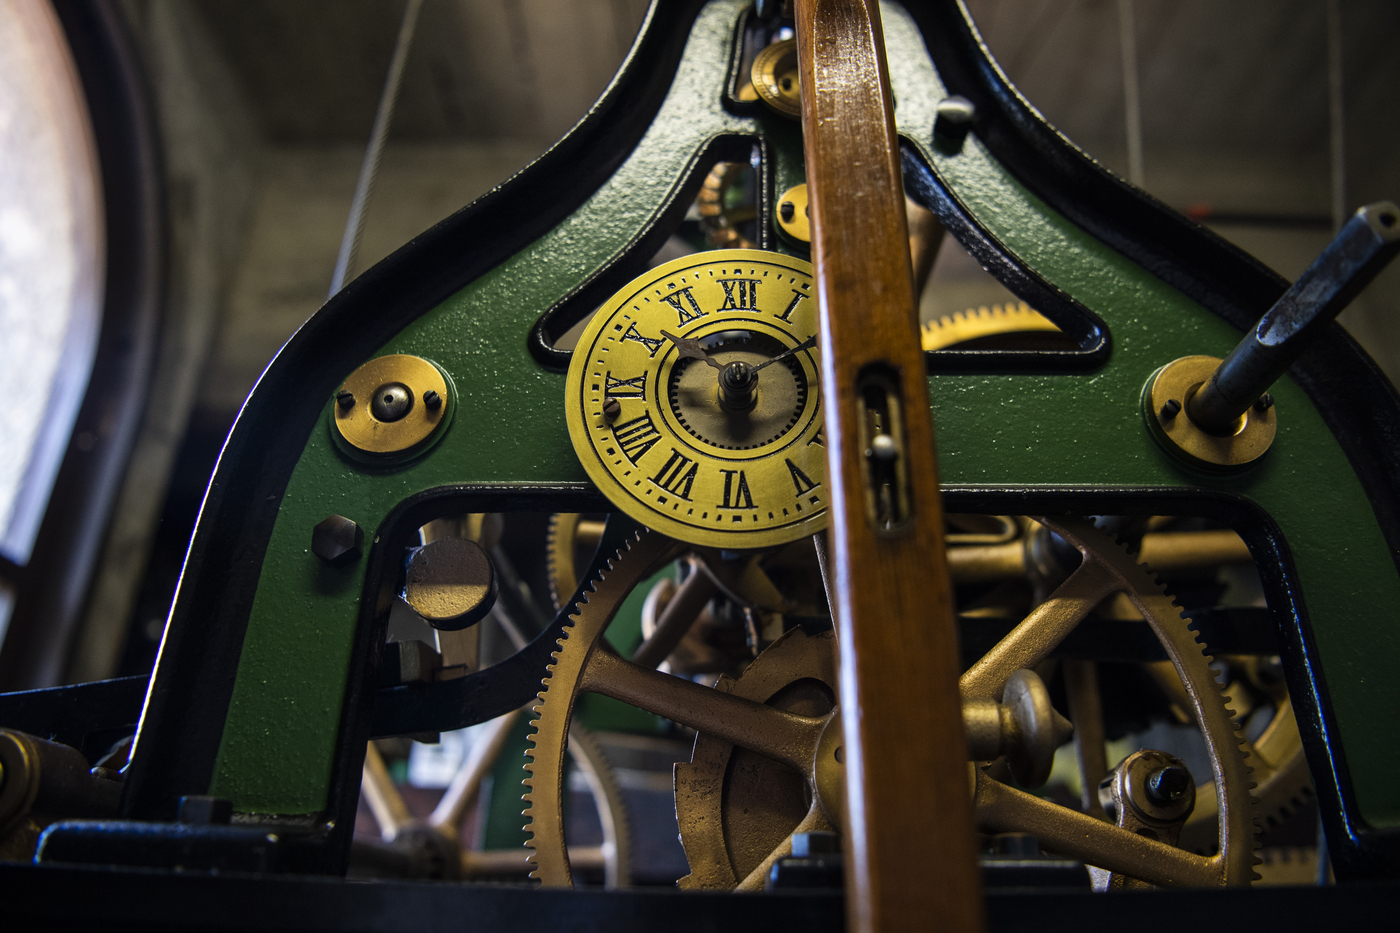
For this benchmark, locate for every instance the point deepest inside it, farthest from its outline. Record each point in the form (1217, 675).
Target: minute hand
(807, 344)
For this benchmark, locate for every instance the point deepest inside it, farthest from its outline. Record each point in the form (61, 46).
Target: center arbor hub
(658, 428)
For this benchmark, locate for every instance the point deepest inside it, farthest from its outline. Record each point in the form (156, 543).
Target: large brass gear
(545, 786)
(983, 321)
(809, 743)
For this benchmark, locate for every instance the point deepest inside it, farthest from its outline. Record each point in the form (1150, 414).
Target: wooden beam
(910, 858)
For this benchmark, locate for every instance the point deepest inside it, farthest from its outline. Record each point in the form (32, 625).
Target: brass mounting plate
(365, 435)
(1178, 435)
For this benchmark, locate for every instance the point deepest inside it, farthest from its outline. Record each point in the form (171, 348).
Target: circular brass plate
(800, 226)
(774, 76)
(450, 583)
(1178, 381)
(668, 456)
(358, 427)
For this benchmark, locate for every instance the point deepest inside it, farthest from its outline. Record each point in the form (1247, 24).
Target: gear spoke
(814, 821)
(782, 736)
(1047, 625)
(999, 808)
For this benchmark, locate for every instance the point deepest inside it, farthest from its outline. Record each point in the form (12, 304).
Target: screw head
(788, 210)
(391, 402)
(1264, 402)
(954, 117)
(345, 398)
(337, 540)
(611, 409)
(883, 448)
(1168, 785)
(1171, 409)
(432, 400)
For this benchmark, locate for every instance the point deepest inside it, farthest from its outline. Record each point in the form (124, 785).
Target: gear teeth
(543, 815)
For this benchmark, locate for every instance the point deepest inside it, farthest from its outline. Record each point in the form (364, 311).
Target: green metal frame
(1074, 430)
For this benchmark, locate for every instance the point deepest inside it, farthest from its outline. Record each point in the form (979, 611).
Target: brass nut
(391, 405)
(792, 214)
(774, 76)
(1166, 407)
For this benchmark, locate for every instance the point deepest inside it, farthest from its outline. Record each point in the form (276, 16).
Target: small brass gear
(984, 321)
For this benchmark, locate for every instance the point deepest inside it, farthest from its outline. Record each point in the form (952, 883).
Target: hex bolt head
(1171, 409)
(345, 398)
(337, 541)
(611, 409)
(1166, 786)
(432, 400)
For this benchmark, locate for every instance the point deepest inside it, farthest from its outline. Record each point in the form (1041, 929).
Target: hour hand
(691, 349)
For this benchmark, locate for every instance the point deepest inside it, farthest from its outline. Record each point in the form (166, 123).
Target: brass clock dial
(694, 401)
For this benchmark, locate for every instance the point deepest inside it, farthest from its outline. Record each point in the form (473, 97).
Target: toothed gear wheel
(544, 796)
(1107, 569)
(962, 326)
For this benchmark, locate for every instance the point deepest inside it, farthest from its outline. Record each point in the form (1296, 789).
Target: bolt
(1171, 409)
(345, 397)
(391, 402)
(954, 118)
(432, 400)
(788, 211)
(1168, 785)
(205, 811)
(611, 409)
(883, 448)
(807, 845)
(337, 541)
(1264, 402)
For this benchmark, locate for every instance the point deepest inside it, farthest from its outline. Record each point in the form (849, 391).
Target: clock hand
(690, 348)
(804, 345)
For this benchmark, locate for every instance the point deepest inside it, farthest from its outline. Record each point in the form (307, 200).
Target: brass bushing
(774, 76)
(792, 214)
(1166, 405)
(405, 425)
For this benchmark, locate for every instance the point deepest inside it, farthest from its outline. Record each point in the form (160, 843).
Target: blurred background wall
(265, 108)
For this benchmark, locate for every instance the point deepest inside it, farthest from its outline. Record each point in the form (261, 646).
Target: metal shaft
(1360, 250)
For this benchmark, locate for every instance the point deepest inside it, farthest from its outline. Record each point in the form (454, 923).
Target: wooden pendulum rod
(910, 856)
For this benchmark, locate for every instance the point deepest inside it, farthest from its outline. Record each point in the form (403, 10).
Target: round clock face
(694, 401)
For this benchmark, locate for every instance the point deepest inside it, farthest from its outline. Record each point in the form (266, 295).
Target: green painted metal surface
(1063, 430)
